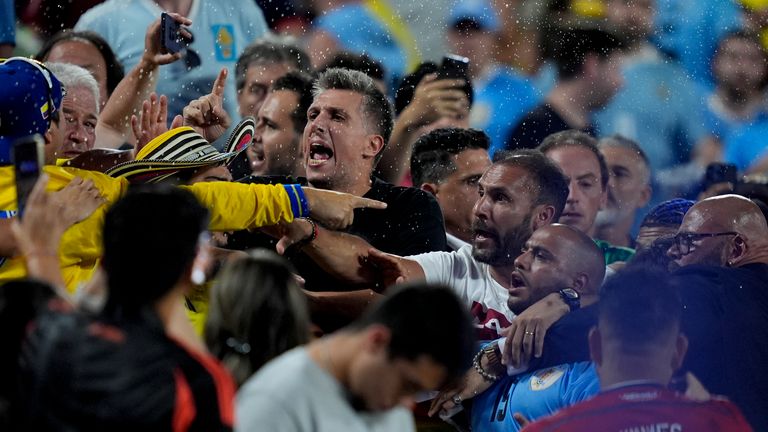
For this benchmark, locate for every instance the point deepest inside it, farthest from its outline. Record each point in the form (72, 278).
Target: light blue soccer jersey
(534, 395)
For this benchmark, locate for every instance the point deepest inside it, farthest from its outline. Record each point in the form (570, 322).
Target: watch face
(570, 293)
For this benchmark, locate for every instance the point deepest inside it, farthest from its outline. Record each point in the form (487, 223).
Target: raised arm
(433, 99)
(114, 126)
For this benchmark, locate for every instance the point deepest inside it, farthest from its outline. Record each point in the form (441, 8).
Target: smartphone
(171, 37)
(718, 172)
(27, 156)
(454, 67)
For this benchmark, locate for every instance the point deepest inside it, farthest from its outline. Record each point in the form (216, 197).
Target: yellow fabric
(400, 31)
(158, 140)
(233, 206)
(198, 298)
(588, 8)
(755, 5)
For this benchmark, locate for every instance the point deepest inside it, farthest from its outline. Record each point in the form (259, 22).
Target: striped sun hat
(180, 149)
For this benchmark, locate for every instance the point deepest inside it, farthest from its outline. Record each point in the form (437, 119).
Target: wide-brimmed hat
(181, 149)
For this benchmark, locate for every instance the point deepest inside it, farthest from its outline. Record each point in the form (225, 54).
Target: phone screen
(454, 67)
(171, 37)
(27, 161)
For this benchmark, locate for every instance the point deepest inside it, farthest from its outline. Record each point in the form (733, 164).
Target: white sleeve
(438, 266)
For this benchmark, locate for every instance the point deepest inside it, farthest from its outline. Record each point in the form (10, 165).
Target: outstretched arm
(347, 256)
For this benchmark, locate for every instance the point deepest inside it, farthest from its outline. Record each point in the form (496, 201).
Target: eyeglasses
(684, 241)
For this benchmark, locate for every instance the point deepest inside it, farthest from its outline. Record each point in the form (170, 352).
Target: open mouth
(484, 235)
(319, 153)
(516, 280)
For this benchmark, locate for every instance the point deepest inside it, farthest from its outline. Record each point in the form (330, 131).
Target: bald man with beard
(556, 257)
(722, 249)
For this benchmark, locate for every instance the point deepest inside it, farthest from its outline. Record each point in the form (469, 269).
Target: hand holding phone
(454, 67)
(174, 37)
(27, 156)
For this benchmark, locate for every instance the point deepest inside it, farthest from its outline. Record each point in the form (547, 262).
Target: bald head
(581, 255)
(727, 213)
(555, 257)
(737, 233)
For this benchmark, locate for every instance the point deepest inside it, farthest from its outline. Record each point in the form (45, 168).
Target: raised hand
(435, 98)
(154, 54)
(335, 210)
(206, 114)
(151, 122)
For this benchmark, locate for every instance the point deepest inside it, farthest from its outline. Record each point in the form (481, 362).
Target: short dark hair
(639, 306)
(407, 87)
(576, 138)
(427, 320)
(301, 84)
(150, 238)
(569, 48)
(270, 50)
(431, 160)
(376, 107)
(115, 71)
(669, 213)
(550, 180)
(358, 62)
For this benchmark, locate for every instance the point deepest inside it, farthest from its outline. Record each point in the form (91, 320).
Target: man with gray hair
(348, 125)
(629, 189)
(79, 113)
(260, 65)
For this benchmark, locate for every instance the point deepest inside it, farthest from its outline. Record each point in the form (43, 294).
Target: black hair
(569, 48)
(550, 180)
(407, 87)
(431, 160)
(270, 50)
(426, 320)
(115, 70)
(639, 306)
(576, 138)
(150, 239)
(358, 62)
(301, 84)
(669, 213)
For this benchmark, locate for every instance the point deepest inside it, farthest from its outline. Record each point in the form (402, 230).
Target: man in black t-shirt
(588, 77)
(349, 123)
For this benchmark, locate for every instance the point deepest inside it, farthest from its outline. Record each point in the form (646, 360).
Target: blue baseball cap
(31, 94)
(481, 12)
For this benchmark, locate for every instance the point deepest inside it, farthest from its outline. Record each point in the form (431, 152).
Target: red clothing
(644, 408)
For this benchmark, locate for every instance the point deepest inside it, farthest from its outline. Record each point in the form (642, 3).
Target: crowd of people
(297, 223)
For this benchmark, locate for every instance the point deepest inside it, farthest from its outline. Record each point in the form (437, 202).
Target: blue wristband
(299, 203)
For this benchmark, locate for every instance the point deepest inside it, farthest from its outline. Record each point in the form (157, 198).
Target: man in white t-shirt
(521, 192)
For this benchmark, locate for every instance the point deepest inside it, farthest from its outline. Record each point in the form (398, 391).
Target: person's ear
(645, 196)
(596, 346)
(542, 215)
(580, 283)
(432, 188)
(738, 250)
(377, 338)
(373, 146)
(681, 348)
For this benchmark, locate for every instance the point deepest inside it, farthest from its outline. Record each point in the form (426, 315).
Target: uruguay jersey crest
(544, 379)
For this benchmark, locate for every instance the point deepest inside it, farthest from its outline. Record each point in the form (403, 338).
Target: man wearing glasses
(722, 249)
